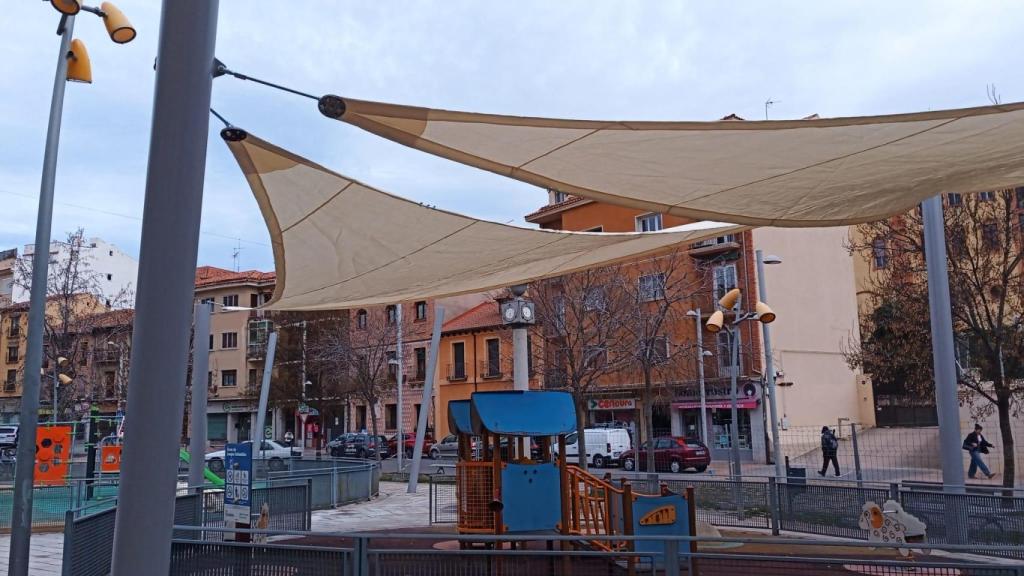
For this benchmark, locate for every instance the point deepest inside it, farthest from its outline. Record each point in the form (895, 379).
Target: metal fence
(334, 482)
(51, 503)
(824, 508)
(543, 555)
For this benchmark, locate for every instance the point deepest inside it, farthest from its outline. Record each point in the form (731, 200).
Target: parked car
(672, 454)
(366, 446)
(273, 452)
(409, 444)
(449, 446)
(336, 447)
(8, 435)
(604, 446)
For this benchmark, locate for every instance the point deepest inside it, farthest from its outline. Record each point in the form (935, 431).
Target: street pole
(166, 286)
(943, 359)
(700, 377)
(766, 333)
(734, 426)
(21, 514)
(200, 368)
(268, 368)
(53, 415)
(428, 395)
(400, 438)
(520, 360)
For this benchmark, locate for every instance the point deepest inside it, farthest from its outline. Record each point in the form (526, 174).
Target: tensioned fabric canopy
(339, 243)
(812, 172)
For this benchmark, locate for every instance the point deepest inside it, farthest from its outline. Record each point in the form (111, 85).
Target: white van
(604, 445)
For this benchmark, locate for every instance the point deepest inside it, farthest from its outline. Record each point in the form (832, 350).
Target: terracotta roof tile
(483, 315)
(207, 276)
(557, 206)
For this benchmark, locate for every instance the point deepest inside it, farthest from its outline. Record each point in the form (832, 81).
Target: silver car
(449, 446)
(8, 435)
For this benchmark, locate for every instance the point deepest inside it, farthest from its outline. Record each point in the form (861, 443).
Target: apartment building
(7, 261)
(813, 294)
(115, 271)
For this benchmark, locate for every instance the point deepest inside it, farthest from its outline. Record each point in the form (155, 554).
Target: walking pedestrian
(976, 445)
(829, 449)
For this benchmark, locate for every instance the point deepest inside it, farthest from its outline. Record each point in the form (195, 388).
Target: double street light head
(762, 312)
(119, 28)
(67, 7)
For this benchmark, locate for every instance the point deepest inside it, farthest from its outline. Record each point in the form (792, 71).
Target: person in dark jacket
(829, 449)
(976, 445)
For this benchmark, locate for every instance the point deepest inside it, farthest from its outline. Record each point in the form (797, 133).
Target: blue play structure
(509, 481)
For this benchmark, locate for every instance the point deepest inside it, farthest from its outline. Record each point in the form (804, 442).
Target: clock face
(510, 313)
(527, 312)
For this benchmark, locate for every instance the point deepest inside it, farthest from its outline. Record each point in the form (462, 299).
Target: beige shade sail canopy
(812, 172)
(339, 243)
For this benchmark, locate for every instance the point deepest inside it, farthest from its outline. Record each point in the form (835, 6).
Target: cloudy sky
(586, 59)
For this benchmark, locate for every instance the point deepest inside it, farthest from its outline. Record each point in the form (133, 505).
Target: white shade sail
(812, 172)
(339, 243)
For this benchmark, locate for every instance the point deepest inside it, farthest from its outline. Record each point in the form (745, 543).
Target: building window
(458, 369)
(986, 196)
(110, 277)
(880, 253)
(599, 228)
(421, 310)
(254, 300)
(83, 357)
(229, 378)
(560, 197)
(725, 356)
(209, 379)
(211, 342)
(725, 280)
(648, 223)
(493, 367)
(361, 418)
(230, 300)
(361, 319)
(390, 416)
(954, 199)
(229, 340)
(12, 354)
(392, 363)
(109, 385)
(392, 313)
(421, 364)
(652, 286)
(11, 381)
(593, 299)
(253, 382)
(1020, 198)
(1020, 223)
(14, 330)
(658, 350)
(596, 356)
(217, 427)
(990, 235)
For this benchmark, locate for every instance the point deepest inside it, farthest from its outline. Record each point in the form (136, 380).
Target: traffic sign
(238, 489)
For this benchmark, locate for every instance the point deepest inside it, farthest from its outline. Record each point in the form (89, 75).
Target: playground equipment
(207, 473)
(502, 489)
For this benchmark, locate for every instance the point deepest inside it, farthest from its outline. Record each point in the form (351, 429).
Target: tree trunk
(581, 436)
(1006, 433)
(373, 425)
(649, 420)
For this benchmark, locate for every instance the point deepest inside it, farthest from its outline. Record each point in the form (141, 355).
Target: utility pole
(766, 334)
(400, 444)
(166, 285)
(200, 368)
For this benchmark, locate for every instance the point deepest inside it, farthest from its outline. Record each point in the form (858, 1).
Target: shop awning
(811, 172)
(745, 403)
(339, 243)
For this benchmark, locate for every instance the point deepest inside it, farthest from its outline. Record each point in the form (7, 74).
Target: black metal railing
(490, 370)
(457, 372)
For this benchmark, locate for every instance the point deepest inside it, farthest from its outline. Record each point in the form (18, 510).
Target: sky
(573, 59)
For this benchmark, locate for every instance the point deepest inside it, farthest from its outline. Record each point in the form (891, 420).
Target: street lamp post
(769, 362)
(701, 354)
(716, 323)
(21, 515)
(400, 443)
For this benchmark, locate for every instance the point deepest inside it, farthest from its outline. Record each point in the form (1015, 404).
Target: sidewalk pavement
(393, 508)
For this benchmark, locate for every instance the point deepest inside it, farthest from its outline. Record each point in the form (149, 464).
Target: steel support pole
(428, 395)
(200, 368)
(399, 374)
(769, 366)
(700, 377)
(943, 359)
(166, 284)
(734, 426)
(520, 360)
(21, 514)
(268, 368)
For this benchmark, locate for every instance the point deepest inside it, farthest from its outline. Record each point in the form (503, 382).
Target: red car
(410, 444)
(671, 454)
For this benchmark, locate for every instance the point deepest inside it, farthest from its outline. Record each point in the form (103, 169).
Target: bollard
(773, 497)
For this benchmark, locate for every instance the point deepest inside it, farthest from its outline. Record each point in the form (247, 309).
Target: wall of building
(116, 271)
(814, 294)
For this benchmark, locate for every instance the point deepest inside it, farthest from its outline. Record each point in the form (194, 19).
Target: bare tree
(656, 303)
(75, 302)
(581, 316)
(355, 360)
(986, 277)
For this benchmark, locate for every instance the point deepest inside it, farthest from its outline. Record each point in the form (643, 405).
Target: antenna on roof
(237, 252)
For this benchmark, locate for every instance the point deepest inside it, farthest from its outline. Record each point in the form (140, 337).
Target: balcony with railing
(105, 355)
(256, 350)
(715, 245)
(457, 372)
(490, 370)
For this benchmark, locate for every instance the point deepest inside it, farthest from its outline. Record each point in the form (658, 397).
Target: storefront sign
(745, 391)
(741, 403)
(612, 404)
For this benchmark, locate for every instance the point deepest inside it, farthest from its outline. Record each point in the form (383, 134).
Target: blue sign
(238, 483)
